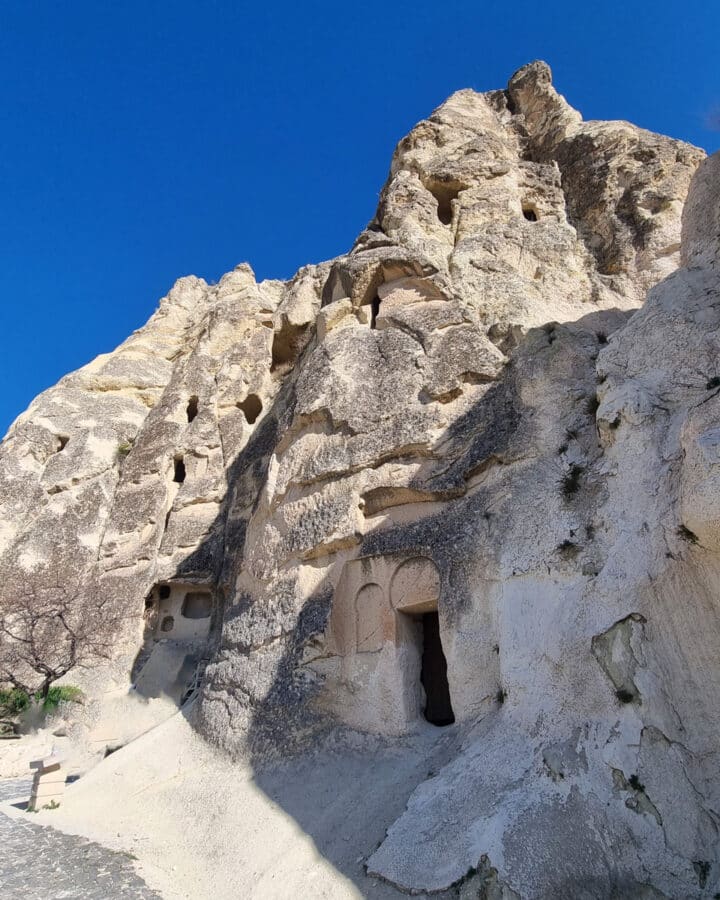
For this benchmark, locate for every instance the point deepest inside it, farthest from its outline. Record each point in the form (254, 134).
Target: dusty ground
(202, 827)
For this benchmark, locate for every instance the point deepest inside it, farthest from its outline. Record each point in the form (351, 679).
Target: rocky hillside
(467, 473)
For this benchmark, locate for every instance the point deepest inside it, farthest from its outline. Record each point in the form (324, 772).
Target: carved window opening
(164, 591)
(444, 194)
(197, 605)
(251, 407)
(62, 441)
(179, 470)
(530, 213)
(433, 674)
(286, 346)
(192, 408)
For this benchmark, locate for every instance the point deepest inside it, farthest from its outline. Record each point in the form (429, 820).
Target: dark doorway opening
(374, 310)
(433, 674)
(178, 470)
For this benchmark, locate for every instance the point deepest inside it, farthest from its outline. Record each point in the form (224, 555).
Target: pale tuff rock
(459, 443)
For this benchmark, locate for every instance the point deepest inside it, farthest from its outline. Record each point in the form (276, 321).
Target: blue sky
(142, 141)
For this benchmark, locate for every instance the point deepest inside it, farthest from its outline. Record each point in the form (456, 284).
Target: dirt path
(202, 827)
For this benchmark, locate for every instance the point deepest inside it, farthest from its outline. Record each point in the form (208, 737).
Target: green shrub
(13, 701)
(59, 693)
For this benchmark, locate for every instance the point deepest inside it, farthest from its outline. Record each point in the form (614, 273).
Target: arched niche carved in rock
(371, 617)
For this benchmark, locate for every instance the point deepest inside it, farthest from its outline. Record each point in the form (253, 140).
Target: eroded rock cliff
(467, 472)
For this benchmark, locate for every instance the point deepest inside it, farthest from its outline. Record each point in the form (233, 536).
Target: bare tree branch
(46, 632)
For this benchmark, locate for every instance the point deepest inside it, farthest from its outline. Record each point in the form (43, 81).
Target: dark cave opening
(433, 674)
(251, 407)
(444, 193)
(374, 310)
(178, 470)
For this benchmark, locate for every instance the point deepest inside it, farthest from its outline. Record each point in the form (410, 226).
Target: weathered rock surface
(472, 416)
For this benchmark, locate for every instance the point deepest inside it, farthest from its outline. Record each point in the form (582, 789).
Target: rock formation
(467, 472)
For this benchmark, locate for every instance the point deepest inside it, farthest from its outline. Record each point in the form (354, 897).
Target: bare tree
(46, 632)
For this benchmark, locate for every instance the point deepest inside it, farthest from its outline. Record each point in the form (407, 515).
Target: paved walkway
(38, 863)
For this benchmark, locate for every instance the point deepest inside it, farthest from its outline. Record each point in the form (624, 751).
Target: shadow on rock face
(515, 485)
(346, 790)
(428, 476)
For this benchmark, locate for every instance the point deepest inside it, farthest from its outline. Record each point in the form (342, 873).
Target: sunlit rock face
(467, 473)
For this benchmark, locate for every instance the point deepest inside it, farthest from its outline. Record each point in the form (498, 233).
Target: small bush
(635, 783)
(59, 693)
(13, 702)
(570, 482)
(615, 423)
(124, 448)
(568, 548)
(684, 532)
(562, 449)
(591, 405)
(601, 337)
(624, 696)
(501, 695)
(712, 383)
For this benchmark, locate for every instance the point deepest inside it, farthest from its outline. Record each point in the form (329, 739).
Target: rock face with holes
(112, 484)
(459, 475)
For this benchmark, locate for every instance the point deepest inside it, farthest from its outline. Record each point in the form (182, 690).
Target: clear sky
(146, 140)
